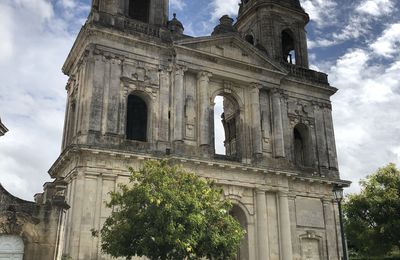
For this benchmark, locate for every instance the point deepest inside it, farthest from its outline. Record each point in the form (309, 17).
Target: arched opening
(11, 247)
(302, 146)
(240, 216)
(250, 39)
(136, 125)
(288, 47)
(227, 127)
(139, 10)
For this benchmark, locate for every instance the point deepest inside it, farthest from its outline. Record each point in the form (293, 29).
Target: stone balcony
(306, 74)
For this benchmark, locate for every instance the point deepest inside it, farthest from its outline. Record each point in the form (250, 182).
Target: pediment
(231, 47)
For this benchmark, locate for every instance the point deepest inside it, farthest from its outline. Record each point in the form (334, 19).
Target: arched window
(227, 127)
(240, 216)
(288, 47)
(250, 39)
(302, 146)
(136, 125)
(139, 10)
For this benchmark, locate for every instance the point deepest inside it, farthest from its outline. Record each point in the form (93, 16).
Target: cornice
(217, 164)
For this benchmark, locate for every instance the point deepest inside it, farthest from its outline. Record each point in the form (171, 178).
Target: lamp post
(338, 193)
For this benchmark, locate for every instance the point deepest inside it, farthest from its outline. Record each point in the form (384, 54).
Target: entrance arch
(238, 213)
(11, 247)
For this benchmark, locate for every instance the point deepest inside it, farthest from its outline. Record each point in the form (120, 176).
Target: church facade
(140, 89)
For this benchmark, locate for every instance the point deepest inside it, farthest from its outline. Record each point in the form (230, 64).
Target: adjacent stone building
(140, 89)
(31, 230)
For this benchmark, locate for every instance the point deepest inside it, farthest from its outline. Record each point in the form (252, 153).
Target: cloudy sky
(357, 42)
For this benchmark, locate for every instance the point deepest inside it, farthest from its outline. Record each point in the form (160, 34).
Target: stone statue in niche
(190, 115)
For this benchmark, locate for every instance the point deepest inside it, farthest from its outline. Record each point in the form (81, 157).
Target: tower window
(302, 146)
(136, 126)
(250, 39)
(139, 10)
(288, 47)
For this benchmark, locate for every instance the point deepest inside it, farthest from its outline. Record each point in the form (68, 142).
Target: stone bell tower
(152, 12)
(277, 27)
(140, 89)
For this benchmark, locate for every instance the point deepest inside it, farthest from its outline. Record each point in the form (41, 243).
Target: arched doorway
(240, 215)
(11, 247)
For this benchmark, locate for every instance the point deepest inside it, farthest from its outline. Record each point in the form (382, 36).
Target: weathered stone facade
(140, 89)
(31, 230)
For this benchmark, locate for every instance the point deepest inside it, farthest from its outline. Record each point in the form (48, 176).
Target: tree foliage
(373, 216)
(168, 213)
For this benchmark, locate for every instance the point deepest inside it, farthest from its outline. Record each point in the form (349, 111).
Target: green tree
(372, 217)
(166, 212)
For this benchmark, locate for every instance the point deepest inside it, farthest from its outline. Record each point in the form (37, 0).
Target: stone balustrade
(307, 74)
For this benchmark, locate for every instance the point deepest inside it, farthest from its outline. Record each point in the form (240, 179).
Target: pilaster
(203, 79)
(279, 145)
(256, 119)
(179, 103)
(285, 227)
(330, 228)
(262, 225)
(163, 125)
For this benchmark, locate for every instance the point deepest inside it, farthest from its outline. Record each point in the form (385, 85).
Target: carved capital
(204, 76)
(255, 87)
(180, 70)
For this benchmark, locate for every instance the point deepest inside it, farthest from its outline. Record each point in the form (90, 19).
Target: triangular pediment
(232, 47)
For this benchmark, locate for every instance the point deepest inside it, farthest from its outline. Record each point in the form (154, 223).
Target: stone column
(164, 105)
(256, 119)
(203, 78)
(279, 145)
(262, 225)
(286, 236)
(179, 98)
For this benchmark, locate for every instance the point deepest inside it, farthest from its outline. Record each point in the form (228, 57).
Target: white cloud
(322, 12)
(389, 43)
(224, 7)
(366, 113)
(32, 93)
(68, 3)
(356, 20)
(177, 4)
(376, 7)
(6, 21)
(37, 9)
